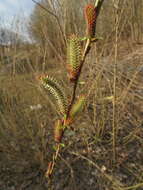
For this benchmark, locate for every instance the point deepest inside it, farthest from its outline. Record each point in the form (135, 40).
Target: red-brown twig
(55, 156)
(85, 52)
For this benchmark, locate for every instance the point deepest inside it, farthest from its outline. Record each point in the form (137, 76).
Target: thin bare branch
(56, 17)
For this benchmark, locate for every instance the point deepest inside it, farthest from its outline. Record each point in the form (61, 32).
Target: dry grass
(26, 135)
(104, 152)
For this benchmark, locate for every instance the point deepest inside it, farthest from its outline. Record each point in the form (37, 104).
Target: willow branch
(85, 52)
(98, 4)
(52, 164)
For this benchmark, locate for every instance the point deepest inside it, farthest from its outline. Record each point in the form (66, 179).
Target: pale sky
(11, 10)
(12, 7)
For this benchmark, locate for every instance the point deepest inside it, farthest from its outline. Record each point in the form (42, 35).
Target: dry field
(104, 151)
(86, 162)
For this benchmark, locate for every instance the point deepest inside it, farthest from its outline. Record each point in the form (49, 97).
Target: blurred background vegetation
(54, 25)
(27, 117)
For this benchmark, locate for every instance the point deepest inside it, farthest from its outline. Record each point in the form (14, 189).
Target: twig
(116, 185)
(52, 164)
(56, 17)
(85, 52)
(98, 5)
(114, 124)
(47, 10)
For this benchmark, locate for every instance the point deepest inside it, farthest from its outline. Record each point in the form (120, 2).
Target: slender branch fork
(98, 4)
(54, 15)
(86, 50)
(50, 169)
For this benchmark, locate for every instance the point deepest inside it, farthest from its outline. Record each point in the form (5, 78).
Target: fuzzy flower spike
(90, 16)
(73, 57)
